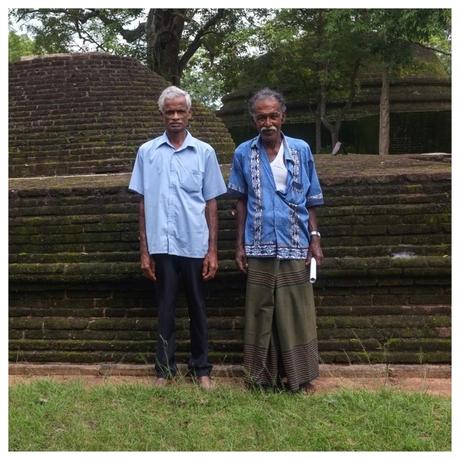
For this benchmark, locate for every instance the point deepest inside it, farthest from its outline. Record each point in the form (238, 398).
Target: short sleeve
(213, 182)
(236, 182)
(315, 194)
(136, 184)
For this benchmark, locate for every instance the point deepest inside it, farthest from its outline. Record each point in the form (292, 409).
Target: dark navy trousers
(169, 270)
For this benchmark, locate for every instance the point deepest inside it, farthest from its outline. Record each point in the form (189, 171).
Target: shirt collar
(257, 143)
(189, 141)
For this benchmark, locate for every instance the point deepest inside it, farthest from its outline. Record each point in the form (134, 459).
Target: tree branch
(352, 89)
(130, 35)
(431, 48)
(86, 37)
(197, 41)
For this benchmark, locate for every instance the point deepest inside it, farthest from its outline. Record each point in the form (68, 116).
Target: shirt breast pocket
(299, 191)
(191, 181)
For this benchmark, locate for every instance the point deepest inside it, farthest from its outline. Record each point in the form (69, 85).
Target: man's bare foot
(308, 389)
(205, 382)
(160, 382)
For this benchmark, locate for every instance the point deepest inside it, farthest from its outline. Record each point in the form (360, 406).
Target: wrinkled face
(176, 115)
(268, 118)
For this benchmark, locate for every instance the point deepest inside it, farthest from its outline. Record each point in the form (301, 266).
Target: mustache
(271, 128)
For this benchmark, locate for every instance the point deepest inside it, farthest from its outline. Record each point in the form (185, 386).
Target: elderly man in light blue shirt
(178, 178)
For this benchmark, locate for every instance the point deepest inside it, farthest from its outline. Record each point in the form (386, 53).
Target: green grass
(49, 416)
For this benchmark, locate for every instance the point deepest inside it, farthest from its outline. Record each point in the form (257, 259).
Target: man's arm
(210, 263)
(147, 263)
(315, 241)
(240, 253)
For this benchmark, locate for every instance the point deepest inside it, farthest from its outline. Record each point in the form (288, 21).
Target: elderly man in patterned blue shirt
(178, 179)
(275, 180)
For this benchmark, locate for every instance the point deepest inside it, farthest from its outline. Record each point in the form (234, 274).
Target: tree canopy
(19, 45)
(321, 52)
(164, 39)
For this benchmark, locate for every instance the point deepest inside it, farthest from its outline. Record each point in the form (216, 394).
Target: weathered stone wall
(383, 295)
(76, 292)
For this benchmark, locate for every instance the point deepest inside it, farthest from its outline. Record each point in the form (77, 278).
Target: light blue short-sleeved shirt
(176, 185)
(276, 222)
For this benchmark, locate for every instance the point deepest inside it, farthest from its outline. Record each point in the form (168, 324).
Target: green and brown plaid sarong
(280, 340)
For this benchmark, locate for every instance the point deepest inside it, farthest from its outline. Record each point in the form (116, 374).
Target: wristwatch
(315, 233)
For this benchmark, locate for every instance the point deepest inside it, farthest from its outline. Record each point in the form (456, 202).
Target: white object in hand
(312, 270)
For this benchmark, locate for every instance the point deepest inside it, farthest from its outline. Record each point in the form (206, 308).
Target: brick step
(225, 353)
(116, 198)
(353, 182)
(340, 357)
(79, 128)
(350, 333)
(235, 345)
(406, 251)
(123, 95)
(368, 197)
(145, 370)
(232, 316)
(330, 226)
(59, 164)
(334, 205)
(374, 199)
(21, 206)
(86, 139)
(347, 190)
(75, 154)
(389, 233)
(85, 166)
(124, 116)
(347, 246)
(51, 219)
(356, 185)
(342, 267)
(227, 291)
(109, 165)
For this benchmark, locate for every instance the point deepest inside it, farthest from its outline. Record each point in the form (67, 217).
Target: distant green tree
(322, 53)
(317, 51)
(18, 46)
(216, 69)
(393, 33)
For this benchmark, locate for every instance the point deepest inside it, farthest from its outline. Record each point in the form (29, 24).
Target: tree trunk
(334, 128)
(318, 144)
(384, 128)
(331, 127)
(163, 32)
(334, 136)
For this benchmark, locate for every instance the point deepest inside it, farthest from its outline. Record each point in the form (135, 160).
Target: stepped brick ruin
(420, 105)
(87, 114)
(76, 291)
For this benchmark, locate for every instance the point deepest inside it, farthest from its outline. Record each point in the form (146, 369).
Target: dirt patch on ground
(326, 384)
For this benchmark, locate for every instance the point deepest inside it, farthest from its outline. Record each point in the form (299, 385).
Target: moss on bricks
(77, 293)
(418, 344)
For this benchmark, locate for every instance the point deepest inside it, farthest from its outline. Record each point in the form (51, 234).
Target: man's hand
(210, 266)
(240, 259)
(315, 251)
(148, 267)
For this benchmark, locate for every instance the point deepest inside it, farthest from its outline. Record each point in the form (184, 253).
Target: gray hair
(264, 94)
(172, 92)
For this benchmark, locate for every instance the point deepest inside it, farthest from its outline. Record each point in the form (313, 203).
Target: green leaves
(18, 46)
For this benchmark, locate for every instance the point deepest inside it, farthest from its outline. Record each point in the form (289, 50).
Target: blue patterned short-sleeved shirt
(277, 222)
